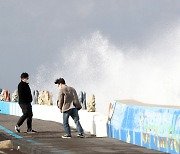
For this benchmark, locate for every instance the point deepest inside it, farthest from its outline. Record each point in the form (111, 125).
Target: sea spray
(94, 65)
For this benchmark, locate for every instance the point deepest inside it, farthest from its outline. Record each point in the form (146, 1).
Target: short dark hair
(24, 75)
(60, 80)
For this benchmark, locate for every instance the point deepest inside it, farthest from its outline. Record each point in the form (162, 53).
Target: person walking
(68, 103)
(25, 99)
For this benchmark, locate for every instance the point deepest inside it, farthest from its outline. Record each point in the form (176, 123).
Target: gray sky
(32, 32)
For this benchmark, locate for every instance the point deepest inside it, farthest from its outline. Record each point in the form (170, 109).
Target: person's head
(24, 77)
(61, 82)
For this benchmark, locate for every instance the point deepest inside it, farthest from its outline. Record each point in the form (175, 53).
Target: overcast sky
(32, 32)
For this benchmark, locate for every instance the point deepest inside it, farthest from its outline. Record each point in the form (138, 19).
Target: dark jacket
(68, 99)
(24, 93)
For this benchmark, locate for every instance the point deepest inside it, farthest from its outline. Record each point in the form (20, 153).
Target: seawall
(92, 122)
(151, 126)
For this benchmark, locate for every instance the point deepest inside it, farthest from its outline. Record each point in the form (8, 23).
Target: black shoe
(17, 129)
(81, 135)
(66, 136)
(31, 131)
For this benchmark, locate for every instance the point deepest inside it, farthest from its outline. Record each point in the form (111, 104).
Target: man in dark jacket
(68, 103)
(25, 99)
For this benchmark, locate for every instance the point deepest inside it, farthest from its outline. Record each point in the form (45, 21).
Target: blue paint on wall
(130, 134)
(137, 138)
(152, 127)
(123, 135)
(4, 107)
(11, 108)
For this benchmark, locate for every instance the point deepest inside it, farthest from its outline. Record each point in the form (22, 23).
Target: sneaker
(66, 136)
(30, 131)
(81, 135)
(17, 129)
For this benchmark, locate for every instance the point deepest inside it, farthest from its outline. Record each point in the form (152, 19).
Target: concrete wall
(92, 122)
(152, 127)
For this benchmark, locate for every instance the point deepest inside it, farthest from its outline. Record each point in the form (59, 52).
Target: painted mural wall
(152, 127)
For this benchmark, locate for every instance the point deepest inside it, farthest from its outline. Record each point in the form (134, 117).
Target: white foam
(93, 64)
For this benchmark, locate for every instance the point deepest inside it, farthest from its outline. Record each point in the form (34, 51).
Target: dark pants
(74, 114)
(27, 114)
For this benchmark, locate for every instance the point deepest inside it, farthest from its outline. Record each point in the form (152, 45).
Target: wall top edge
(138, 103)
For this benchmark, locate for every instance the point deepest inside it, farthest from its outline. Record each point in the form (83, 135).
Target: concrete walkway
(48, 140)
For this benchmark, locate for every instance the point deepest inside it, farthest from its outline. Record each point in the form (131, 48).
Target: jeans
(27, 114)
(74, 114)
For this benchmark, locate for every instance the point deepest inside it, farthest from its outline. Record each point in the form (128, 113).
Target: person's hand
(60, 110)
(58, 104)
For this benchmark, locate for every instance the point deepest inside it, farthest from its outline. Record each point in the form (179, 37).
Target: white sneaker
(31, 131)
(17, 129)
(81, 135)
(66, 136)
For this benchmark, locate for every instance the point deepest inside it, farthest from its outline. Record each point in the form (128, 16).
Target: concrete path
(48, 140)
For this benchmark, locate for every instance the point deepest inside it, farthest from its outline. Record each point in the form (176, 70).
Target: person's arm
(29, 93)
(60, 100)
(76, 100)
(20, 89)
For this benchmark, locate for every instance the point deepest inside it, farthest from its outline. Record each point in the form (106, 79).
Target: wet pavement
(4, 148)
(48, 140)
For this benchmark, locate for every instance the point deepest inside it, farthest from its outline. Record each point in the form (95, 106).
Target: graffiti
(162, 142)
(155, 140)
(177, 125)
(176, 146)
(128, 138)
(154, 127)
(146, 138)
